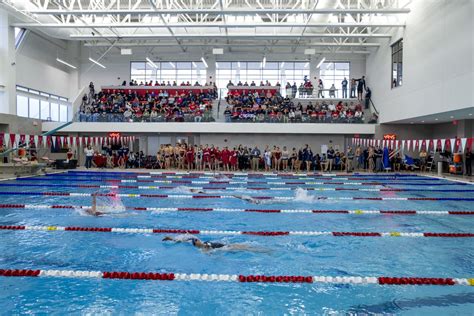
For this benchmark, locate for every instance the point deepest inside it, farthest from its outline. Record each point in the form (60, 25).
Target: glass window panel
(55, 112)
(22, 106)
(62, 113)
(45, 110)
(34, 108)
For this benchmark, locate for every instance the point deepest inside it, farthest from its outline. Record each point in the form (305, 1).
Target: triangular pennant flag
(463, 144)
(458, 145)
(6, 139)
(443, 142)
(452, 143)
(36, 138)
(53, 138)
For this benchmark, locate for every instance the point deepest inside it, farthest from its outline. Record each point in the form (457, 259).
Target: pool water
(324, 255)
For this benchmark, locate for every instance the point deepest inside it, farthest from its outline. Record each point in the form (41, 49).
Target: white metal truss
(328, 24)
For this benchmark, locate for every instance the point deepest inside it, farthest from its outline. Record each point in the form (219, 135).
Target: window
(334, 73)
(182, 71)
(45, 110)
(22, 106)
(397, 64)
(42, 105)
(34, 108)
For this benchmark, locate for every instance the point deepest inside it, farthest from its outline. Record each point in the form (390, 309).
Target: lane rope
(188, 196)
(231, 182)
(231, 232)
(139, 187)
(236, 210)
(123, 275)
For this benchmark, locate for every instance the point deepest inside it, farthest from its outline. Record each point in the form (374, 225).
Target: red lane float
(258, 278)
(235, 210)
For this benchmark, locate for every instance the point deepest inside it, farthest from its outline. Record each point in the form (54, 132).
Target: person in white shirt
(89, 154)
(332, 107)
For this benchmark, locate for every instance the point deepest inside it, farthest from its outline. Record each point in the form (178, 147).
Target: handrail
(373, 105)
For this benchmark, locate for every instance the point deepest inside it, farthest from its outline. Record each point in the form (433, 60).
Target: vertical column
(7, 66)
(313, 71)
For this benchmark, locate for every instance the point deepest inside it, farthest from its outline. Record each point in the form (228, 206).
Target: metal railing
(304, 118)
(161, 118)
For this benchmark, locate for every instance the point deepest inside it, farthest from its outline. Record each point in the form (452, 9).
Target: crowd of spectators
(159, 106)
(166, 84)
(276, 109)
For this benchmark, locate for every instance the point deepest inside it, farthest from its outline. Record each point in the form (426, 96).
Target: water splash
(301, 195)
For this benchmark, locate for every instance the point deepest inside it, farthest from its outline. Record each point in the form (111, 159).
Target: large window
(191, 71)
(333, 73)
(282, 72)
(397, 64)
(41, 105)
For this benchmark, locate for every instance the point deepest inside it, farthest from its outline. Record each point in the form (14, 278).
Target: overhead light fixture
(65, 63)
(321, 62)
(436, 119)
(306, 65)
(451, 116)
(470, 114)
(309, 51)
(282, 64)
(97, 63)
(238, 64)
(172, 65)
(151, 63)
(194, 65)
(218, 51)
(204, 62)
(411, 122)
(422, 121)
(264, 62)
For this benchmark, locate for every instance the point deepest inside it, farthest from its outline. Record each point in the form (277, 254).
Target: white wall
(37, 68)
(437, 62)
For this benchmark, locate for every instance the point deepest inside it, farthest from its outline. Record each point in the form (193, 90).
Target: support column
(7, 66)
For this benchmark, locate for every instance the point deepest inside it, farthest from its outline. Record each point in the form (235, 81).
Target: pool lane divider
(139, 187)
(232, 232)
(160, 276)
(237, 210)
(188, 196)
(185, 182)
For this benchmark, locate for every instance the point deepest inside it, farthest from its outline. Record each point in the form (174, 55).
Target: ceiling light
(65, 63)
(411, 122)
(436, 119)
(282, 64)
(97, 63)
(194, 65)
(172, 65)
(306, 65)
(451, 116)
(204, 62)
(151, 63)
(264, 62)
(470, 114)
(422, 121)
(321, 62)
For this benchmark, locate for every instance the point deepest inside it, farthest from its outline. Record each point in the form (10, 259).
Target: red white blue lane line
(187, 196)
(231, 232)
(237, 210)
(187, 277)
(228, 188)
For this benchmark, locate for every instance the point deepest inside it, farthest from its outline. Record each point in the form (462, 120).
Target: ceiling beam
(236, 11)
(233, 36)
(254, 44)
(198, 24)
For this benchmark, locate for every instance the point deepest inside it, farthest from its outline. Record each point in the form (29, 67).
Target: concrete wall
(37, 68)
(19, 125)
(437, 62)
(463, 128)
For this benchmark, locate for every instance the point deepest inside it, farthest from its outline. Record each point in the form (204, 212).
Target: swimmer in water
(210, 245)
(199, 191)
(93, 210)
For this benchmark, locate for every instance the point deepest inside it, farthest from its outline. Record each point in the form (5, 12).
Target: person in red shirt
(234, 159)
(190, 157)
(225, 155)
(206, 157)
(217, 158)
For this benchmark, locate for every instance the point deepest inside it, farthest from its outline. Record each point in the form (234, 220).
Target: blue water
(293, 255)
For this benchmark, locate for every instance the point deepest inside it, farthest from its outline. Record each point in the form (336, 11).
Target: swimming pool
(303, 225)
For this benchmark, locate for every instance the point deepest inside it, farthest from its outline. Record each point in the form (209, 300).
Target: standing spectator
(353, 88)
(255, 158)
(89, 155)
(344, 87)
(332, 91)
(360, 87)
(320, 89)
(468, 161)
(368, 95)
(330, 157)
(349, 159)
(294, 89)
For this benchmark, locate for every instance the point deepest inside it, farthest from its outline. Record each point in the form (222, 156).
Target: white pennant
(6, 140)
(54, 140)
(443, 142)
(36, 140)
(453, 143)
(463, 143)
(427, 144)
(420, 142)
